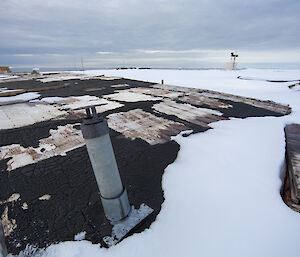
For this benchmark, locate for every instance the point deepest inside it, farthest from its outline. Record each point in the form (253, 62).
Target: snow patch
(80, 236)
(122, 228)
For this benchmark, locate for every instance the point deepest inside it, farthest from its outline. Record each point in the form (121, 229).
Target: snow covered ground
(222, 192)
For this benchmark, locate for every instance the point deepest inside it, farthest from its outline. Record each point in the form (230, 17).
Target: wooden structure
(4, 69)
(291, 188)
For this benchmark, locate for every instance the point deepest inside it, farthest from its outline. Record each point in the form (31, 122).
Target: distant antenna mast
(82, 64)
(234, 56)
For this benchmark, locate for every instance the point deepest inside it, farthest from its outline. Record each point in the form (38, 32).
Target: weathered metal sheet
(140, 124)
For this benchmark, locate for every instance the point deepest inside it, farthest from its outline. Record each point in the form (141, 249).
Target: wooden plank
(292, 134)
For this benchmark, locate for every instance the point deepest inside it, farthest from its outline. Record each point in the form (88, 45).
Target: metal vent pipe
(112, 192)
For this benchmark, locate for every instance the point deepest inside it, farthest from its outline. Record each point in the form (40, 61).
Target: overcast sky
(154, 33)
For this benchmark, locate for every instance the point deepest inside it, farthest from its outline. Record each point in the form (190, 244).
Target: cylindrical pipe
(105, 167)
(113, 194)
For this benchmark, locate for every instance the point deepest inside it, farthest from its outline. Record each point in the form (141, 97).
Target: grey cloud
(83, 28)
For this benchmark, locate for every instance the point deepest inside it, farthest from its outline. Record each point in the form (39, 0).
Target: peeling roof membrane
(9, 225)
(19, 98)
(45, 197)
(23, 114)
(156, 92)
(6, 90)
(75, 102)
(55, 76)
(54, 99)
(59, 78)
(14, 197)
(199, 99)
(128, 96)
(140, 124)
(120, 85)
(60, 141)
(109, 78)
(189, 97)
(268, 105)
(94, 89)
(8, 77)
(199, 116)
(45, 78)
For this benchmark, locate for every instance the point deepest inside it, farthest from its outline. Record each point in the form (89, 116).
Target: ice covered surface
(222, 192)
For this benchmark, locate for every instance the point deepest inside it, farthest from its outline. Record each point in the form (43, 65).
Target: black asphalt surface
(75, 205)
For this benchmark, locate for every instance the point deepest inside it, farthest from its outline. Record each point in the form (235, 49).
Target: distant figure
(232, 64)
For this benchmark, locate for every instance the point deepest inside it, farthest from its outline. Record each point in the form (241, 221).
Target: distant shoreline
(137, 68)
